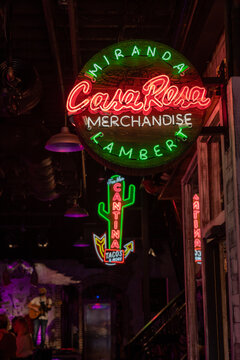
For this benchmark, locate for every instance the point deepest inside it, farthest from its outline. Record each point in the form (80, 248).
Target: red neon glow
(113, 254)
(158, 93)
(116, 211)
(196, 229)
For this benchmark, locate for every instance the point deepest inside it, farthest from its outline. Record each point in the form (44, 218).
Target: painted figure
(38, 311)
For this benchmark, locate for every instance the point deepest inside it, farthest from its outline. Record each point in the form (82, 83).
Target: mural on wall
(15, 297)
(19, 284)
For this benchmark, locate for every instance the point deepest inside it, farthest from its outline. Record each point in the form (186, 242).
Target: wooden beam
(73, 35)
(53, 43)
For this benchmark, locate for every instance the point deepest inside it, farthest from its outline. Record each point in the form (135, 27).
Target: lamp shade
(80, 243)
(64, 142)
(76, 212)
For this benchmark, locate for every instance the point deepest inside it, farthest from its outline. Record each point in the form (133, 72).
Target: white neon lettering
(135, 51)
(96, 68)
(106, 59)
(121, 121)
(150, 51)
(167, 117)
(118, 53)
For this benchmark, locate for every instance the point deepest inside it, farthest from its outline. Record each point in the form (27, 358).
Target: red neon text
(157, 93)
(196, 229)
(116, 211)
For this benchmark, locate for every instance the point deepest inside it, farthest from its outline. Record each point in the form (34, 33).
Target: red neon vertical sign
(196, 229)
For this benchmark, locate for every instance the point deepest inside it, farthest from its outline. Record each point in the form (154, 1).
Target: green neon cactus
(113, 215)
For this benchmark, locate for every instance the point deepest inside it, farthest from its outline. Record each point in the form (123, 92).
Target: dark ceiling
(46, 42)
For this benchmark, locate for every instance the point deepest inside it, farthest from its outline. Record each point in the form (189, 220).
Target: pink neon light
(116, 208)
(158, 93)
(196, 227)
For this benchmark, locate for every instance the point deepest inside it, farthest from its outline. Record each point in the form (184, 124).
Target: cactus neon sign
(110, 250)
(138, 106)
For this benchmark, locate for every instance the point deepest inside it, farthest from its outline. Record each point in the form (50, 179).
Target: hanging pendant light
(76, 212)
(64, 142)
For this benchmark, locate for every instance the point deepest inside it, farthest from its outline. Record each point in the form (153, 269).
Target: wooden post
(190, 286)
(145, 257)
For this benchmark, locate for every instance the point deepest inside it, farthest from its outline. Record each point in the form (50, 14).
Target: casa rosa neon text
(157, 93)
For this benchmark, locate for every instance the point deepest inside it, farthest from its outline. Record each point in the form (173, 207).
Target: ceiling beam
(54, 45)
(73, 35)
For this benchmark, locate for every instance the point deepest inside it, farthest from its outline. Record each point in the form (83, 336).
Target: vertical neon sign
(113, 214)
(196, 229)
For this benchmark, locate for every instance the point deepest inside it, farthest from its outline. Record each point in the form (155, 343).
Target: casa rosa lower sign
(138, 106)
(109, 246)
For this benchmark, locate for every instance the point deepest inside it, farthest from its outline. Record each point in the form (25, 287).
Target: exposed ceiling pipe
(72, 7)
(73, 35)
(53, 43)
(188, 25)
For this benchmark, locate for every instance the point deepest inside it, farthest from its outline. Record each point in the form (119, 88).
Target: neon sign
(110, 251)
(137, 106)
(196, 229)
(157, 93)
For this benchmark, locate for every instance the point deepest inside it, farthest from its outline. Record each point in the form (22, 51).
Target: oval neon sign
(138, 106)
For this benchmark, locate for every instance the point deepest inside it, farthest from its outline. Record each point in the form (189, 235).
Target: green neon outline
(182, 69)
(179, 133)
(140, 154)
(123, 152)
(105, 214)
(155, 151)
(106, 147)
(93, 138)
(173, 145)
